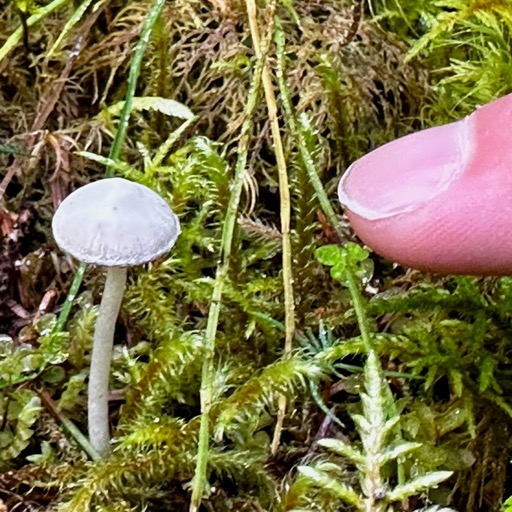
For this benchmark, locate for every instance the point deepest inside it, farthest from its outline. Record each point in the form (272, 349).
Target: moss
(356, 78)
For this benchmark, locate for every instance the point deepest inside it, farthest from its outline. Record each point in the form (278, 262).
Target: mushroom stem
(99, 434)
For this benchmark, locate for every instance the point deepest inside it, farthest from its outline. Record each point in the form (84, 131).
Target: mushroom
(115, 223)
(439, 199)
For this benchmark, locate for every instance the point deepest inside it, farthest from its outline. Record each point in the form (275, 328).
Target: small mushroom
(439, 199)
(115, 223)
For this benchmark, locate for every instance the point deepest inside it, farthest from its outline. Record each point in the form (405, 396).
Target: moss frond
(262, 391)
(161, 431)
(123, 474)
(247, 468)
(173, 368)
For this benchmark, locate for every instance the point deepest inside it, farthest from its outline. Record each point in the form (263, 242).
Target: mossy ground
(350, 80)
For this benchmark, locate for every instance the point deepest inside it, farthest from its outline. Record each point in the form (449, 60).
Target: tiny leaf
(329, 255)
(333, 486)
(415, 486)
(343, 449)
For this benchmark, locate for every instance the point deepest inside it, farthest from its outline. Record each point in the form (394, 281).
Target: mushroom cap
(115, 222)
(439, 199)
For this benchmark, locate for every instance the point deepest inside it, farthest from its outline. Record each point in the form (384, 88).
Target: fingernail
(407, 173)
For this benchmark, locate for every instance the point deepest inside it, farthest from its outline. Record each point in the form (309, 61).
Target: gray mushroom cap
(116, 223)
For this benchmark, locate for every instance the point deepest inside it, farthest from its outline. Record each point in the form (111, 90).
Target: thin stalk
(75, 18)
(200, 477)
(39, 14)
(77, 435)
(284, 197)
(357, 302)
(69, 426)
(372, 367)
(68, 303)
(118, 140)
(163, 80)
(165, 147)
(372, 473)
(133, 76)
(297, 130)
(97, 402)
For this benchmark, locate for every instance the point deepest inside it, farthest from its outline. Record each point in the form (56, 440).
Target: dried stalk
(200, 476)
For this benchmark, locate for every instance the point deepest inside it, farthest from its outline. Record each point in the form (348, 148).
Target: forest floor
(198, 100)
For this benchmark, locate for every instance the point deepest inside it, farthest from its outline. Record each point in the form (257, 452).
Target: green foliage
(440, 401)
(19, 411)
(453, 336)
(23, 362)
(160, 414)
(241, 409)
(383, 453)
(352, 259)
(468, 349)
(165, 106)
(72, 21)
(169, 378)
(466, 46)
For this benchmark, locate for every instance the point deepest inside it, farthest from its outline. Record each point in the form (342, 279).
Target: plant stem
(357, 301)
(97, 404)
(133, 76)
(284, 197)
(373, 369)
(69, 426)
(68, 303)
(75, 18)
(297, 130)
(200, 477)
(39, 14)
